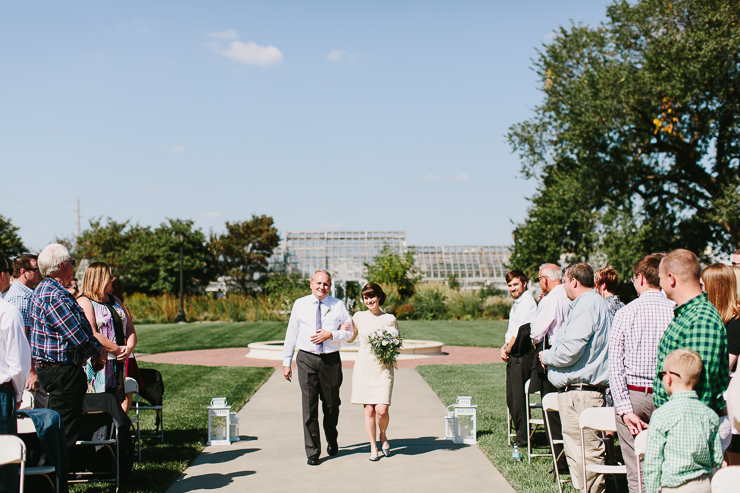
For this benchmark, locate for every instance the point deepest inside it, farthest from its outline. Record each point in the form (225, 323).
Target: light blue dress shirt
(579, 353)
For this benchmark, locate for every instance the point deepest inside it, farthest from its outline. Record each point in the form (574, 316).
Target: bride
(372, 381)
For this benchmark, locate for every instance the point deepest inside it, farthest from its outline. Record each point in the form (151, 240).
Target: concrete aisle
(271, 458)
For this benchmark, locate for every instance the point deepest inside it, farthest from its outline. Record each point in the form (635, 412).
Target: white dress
(372, 382)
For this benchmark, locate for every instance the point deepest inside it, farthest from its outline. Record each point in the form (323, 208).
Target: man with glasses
(26, 276)
(62, 339)
(15, 363)
(633, 356)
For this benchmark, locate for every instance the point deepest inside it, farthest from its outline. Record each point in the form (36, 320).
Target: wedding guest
(372, 381)
(26, 276)
(15, 365)
(73, 288)
(735, 259)
(720, 285)
(607, 281)
(633, 356)
(577, 365)
(61, 339)
(518, 365)
(316, 328)
(683, 445)
(132, 368)
(696, 325)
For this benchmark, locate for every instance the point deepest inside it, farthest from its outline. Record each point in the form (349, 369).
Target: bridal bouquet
(386, 344)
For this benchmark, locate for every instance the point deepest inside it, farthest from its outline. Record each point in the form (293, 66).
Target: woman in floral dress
(372, 381)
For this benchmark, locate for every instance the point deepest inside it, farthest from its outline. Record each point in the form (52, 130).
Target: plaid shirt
(19, 295)
(633, 345)
(697, 326)
(60, 330)
(683, 442)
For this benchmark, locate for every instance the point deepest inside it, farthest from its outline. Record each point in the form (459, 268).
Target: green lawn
(187, 337)
(486, 384)
(188, 390)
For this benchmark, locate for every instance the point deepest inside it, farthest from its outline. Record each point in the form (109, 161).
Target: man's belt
(49, 364)
(581, 387)
(6, 385)
(644, 390)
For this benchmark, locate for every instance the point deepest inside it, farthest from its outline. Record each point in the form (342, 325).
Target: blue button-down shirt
(60, 330)
(20, 295)
(579, 353)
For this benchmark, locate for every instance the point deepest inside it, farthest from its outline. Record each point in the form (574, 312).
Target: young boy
(683, 442)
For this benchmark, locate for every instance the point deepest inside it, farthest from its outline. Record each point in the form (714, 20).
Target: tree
(395, 269)
(635, 146)
(244, 249)
(11, 244)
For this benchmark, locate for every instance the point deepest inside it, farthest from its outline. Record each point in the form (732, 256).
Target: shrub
(429, 304)
(464, 305)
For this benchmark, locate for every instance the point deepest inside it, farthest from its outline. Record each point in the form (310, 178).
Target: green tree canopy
(10, 243)
(635, 146)
(394, 268)
(244, 249)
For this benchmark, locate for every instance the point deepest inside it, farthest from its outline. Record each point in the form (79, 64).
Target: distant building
(344, 253)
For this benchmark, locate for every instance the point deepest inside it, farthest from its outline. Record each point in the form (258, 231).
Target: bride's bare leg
(370, 428)
(381, 410)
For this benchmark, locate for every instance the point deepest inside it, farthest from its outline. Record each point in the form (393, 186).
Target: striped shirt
(697, 326)
(633, 345)
(60, 331)
(20, 295)
(683, 442)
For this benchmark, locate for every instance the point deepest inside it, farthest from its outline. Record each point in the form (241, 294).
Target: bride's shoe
(386, 451)
(374, 458)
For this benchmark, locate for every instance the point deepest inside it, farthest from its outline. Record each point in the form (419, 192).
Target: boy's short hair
(686, 363)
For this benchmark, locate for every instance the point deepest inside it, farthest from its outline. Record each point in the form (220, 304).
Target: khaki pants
(642, 406)
(698, 485)
(570, 405)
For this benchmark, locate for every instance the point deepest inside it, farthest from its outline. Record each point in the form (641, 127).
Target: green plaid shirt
(697, 326)
(683, 442)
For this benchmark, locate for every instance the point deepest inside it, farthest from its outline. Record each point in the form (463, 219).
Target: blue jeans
(9, 480)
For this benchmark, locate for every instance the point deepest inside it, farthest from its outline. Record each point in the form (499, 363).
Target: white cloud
(211, 215)
(336, 54)
(331, 226)
(175, 149)
(462, 177)
(432, 177)
(227, 34)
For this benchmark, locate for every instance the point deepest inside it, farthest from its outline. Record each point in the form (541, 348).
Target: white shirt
(551, 314)
(15, 352)
(302, 326)
(522, 312)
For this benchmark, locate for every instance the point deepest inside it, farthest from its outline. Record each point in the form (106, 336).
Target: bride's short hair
(371, 290)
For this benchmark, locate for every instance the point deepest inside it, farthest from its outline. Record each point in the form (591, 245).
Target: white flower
(385, 343)
(392, 331)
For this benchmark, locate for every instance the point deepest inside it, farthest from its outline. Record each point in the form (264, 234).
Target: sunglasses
(661, 374)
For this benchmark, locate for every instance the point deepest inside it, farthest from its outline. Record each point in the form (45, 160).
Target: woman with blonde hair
(113, 328)
(720, 283)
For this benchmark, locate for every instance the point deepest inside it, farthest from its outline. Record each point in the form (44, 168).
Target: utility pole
(78, 217)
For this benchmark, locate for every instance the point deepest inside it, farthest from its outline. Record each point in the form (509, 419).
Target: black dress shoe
(332, 450)
(313, 461)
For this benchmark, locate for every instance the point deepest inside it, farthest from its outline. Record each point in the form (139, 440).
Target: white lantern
(219, 422)
(460, 422)
(234, 427)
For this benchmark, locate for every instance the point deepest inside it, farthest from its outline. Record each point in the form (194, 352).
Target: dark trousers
(66, 386)
(9, 479)
(319, 377)
(556, 429)
(518, 370)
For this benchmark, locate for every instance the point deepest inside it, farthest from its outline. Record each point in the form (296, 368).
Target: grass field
(188, 390)
(486, 384)
(187, 337)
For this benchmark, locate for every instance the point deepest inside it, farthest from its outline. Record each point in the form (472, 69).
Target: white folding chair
(640, 446)
(726, 480)
(550, 403)
(537, 422)
(27, 400)
(597, 419)
(25, 426)
(509, 434)
(13, 451)
(131, 385)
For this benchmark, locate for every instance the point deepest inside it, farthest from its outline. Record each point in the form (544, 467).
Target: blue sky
(323, 115)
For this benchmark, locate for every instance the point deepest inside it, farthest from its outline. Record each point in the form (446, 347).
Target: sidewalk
(271, 458)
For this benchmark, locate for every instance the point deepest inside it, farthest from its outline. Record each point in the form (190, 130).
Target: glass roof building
(344, 253)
